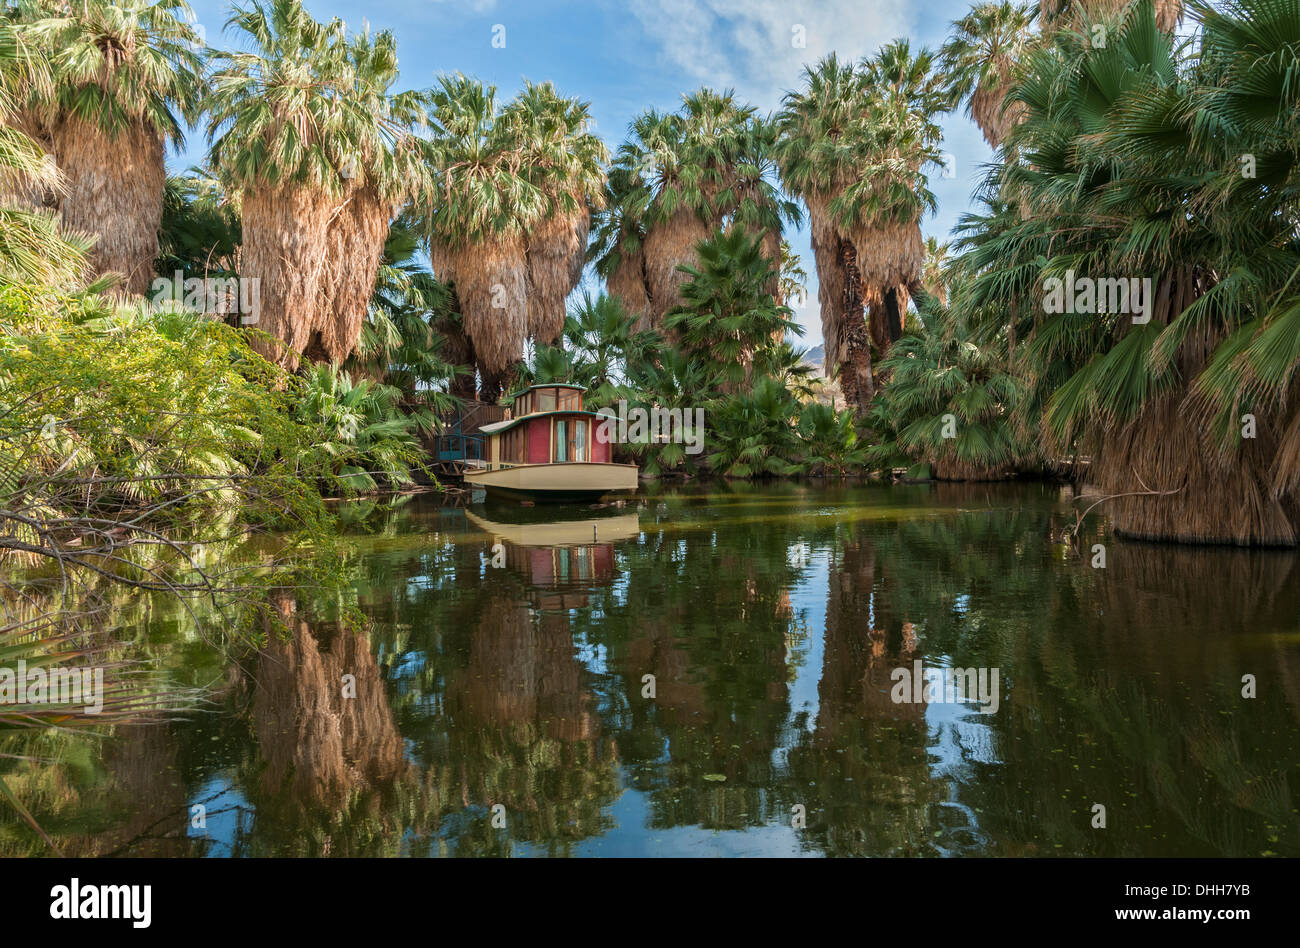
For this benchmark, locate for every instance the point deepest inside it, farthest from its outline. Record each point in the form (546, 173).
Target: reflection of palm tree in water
(523, 675)
(864, 763)
(318, 744)
(523, 731)
(720, 671)
(864, 643)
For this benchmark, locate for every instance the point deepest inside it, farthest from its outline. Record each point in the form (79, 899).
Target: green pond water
(500, 703)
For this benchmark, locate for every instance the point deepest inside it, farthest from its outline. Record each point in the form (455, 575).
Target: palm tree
(948, 403)
(978, 61)
(1057, 14)
(384, 169)
(477, 219)
(321, 153)
(675, 216)
(754, 201)
(33, 249)
(200, 230)
(605, 339)
(565, 162)
(816, 155)
(689, 162)
(728, 313)
(793, 285)
(126, 74)
(882, 209)
(1116, 180)
(618, 237)
(934, 278)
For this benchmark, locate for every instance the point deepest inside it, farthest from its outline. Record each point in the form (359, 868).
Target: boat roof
(529, 388)
(498, 426)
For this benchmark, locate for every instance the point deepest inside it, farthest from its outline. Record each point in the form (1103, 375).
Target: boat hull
(564, 482)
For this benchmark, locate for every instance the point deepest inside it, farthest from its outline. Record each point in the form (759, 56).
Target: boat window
(570, 400)
(579, 452)
(512, 445)
(561, 441)
(545, 399)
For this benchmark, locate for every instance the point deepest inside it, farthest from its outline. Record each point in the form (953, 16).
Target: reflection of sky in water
(634, 836)
(960, 736)
(228, 814)
(808, 599)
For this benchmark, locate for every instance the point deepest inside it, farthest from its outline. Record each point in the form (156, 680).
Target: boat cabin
(545, 424)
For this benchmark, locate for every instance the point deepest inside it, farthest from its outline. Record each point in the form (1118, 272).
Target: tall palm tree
(126, 74)
(819, 125)
(477, 218)
(934, 278)
(304, 127)
(677, 180)
(689, 162)
(978, 61)
(1118, 180)
(676, 215)
(32, 246)
(793, 285)
(566, 163)
(618, 236)
(754, 201)
(385, 168)
(882, 209)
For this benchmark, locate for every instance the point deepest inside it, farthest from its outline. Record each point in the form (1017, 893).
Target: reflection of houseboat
(557, 557)
(547, 448)
(550, 554)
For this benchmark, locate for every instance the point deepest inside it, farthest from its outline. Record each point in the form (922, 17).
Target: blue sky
(625, 56)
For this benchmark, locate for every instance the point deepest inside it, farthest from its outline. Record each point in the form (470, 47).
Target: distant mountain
(815, 357)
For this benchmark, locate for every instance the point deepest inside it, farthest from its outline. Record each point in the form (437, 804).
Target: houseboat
(547, 449)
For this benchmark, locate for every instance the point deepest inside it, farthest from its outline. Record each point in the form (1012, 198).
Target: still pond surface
(502, 704)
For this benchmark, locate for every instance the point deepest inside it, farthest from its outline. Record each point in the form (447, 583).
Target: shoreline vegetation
(356, 260)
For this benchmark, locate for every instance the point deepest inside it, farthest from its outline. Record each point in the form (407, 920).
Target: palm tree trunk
(458, 350)
(285, 233)
(490, 386)
(856, 380)
(839, 293)
(1166, 482)
(771, 243)
(553, 248)
(892, 258)
(354, 248)
(115, 192)
(628, 284)
(666, 247)
(492, 287)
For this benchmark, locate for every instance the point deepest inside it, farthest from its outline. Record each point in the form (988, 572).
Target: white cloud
(748, 44)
